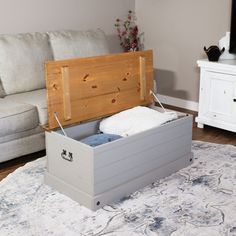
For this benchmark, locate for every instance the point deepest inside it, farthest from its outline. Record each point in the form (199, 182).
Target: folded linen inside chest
(135, 120)
(127, 123)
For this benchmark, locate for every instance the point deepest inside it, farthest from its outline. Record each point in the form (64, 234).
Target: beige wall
(17, 16)
(177, 31)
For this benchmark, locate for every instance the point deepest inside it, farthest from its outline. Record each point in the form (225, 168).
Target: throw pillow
(22, 58)
(69, 44)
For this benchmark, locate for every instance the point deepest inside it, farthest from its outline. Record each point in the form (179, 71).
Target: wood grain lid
(82, 89)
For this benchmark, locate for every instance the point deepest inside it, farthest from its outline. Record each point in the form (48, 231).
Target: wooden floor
(208, 134)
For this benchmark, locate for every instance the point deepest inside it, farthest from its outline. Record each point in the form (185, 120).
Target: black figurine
(213, 52)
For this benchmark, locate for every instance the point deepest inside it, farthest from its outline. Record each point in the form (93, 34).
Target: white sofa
(23, 106)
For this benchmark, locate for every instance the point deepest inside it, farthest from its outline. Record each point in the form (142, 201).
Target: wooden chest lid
(82, 89)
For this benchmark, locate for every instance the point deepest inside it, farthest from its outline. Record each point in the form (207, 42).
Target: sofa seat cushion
(36, 98)
(20, 135)
(70, 44)
(22, 58)
(22, 146)
(16, 117)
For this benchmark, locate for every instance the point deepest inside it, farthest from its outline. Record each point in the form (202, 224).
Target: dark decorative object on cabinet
(213, 52)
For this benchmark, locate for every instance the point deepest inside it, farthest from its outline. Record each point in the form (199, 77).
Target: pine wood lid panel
(82, 89)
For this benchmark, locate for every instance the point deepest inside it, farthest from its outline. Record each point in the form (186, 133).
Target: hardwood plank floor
(208, 134)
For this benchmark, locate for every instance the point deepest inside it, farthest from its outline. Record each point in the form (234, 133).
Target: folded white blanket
(134, 120)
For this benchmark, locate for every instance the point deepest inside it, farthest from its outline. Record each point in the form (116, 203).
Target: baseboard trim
(177, 102)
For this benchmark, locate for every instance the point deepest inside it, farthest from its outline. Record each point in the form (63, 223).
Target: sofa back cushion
(70, 44)
(22, 58)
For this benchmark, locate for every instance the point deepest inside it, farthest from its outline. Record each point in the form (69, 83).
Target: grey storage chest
(95, 176)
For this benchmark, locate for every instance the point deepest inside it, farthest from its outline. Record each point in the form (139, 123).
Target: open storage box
(83, 90)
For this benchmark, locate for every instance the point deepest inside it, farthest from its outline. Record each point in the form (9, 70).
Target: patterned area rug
(198, 200)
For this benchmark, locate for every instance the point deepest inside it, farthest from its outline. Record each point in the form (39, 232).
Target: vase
(213, 52)
(224, 43)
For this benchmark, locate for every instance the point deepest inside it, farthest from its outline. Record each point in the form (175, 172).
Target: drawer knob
(234, 99)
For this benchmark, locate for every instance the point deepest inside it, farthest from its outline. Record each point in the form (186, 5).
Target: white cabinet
(217, 94)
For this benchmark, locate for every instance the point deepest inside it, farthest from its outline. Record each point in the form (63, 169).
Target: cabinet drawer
(219, 96)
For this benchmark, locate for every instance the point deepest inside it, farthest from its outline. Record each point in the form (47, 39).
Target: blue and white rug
(198, 200)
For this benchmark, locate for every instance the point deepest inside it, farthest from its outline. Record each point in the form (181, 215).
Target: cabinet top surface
(219, 64)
